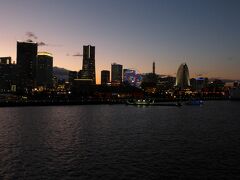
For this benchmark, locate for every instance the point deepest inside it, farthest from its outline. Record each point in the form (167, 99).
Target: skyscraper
(116, 74)
(105, 77)
(44, 73)
(182, 79)
(88, 66)
(26, 61)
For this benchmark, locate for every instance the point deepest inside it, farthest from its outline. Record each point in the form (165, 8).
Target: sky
(203, 33)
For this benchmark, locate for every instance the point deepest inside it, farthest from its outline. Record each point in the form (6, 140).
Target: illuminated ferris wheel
(132, 77)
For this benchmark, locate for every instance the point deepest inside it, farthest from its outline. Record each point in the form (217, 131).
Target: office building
(5, 60)
(182, 79)
(44, 73)
(116, 74)
(105, 77)
(8, 75)
(88, 66)
(71, 76)
(199, 83)
(26, 61)
(166, 82)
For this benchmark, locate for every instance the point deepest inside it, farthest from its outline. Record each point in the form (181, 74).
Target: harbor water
(121, 142)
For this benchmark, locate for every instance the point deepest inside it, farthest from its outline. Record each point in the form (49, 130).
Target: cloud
(29, 40)
(77, 55)
(31, 35)
(42, 44)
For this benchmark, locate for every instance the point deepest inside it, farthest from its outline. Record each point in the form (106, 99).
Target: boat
(194, 102)
(140, 102)
(144, 102)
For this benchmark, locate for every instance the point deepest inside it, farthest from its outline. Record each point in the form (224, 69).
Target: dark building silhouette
(199, 83)
(80, 74)
(153, 68)
(71, 76)
(44, 73)
(8, 75)
(116, 74)
(105, 77)
(83, 87)
(149, 83)
(88, 66)
(5, 60)
(26, 61)
(216, 86)
(166, 82)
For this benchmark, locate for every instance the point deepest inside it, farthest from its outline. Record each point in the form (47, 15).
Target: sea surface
(121, 142)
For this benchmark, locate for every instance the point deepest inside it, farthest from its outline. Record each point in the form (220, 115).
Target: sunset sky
(203, 33)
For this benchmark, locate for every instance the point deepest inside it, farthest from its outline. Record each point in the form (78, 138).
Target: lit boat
(144, 102)
(140, 102)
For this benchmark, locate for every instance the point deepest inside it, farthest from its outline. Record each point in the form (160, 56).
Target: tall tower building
(105, 77)
(182, 79)
(116, 74)
(26, 61)
(88, 66)
(44, 76)
(153, 67)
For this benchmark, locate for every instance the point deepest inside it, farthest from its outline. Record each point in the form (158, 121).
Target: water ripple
(120, 142)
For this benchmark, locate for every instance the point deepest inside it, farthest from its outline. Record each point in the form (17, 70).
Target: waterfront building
(216, 86)
(182, 79)
(26, 61)
(83, 87)
(166, 83)
(105, 77)
(199, 83)
(116, 74)
(71, 76)
(234, 92)
(8, 75)
(44, 73)
(5, 60)
(149, 83)
(88, 66)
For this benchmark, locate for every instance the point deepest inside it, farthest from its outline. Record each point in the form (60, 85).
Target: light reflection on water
(120, 142)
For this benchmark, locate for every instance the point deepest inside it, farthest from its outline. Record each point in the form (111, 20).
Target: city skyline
(204, 34)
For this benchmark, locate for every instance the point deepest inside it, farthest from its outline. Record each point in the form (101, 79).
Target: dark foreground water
(121, 142)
